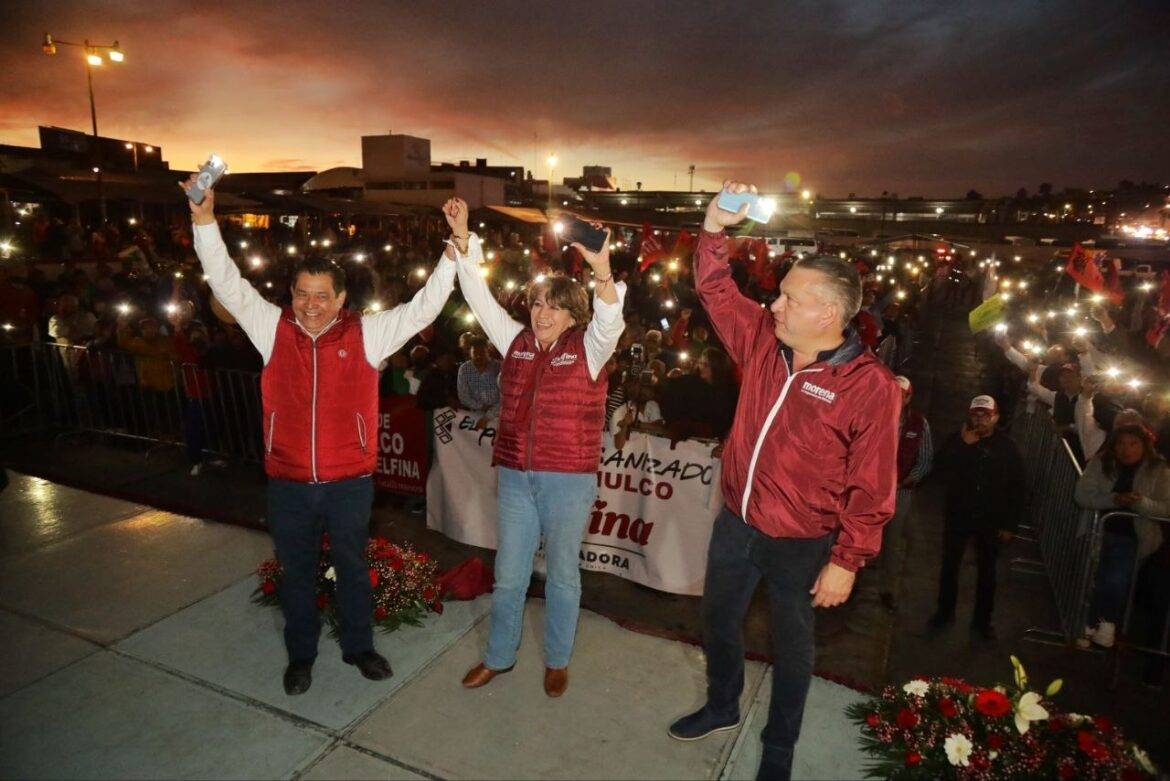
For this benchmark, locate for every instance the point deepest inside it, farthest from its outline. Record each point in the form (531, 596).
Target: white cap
(983, 402)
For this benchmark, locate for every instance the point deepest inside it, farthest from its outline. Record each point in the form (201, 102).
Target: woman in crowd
(548, 443)
(1127, 475)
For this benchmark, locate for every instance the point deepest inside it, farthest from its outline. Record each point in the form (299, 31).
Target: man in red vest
(808, 476)
(320, 398)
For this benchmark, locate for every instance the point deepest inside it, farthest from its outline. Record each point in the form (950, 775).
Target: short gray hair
(842, 282)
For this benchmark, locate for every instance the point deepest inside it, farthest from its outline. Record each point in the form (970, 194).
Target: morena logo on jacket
(564, 360)
(817, 392)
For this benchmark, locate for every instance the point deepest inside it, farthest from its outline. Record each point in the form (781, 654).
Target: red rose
(322, 601)
(946, 706)
(380, 613)
(907, 719)
(429, 594)
(995, 742)
(396, 564)
(992, 703)
(437, 607)
(913, 758)
(268, 587)
(979, 762)
(1103, 724)
(1066, 771)
(423, 558)
(873, 720)
(373, 578)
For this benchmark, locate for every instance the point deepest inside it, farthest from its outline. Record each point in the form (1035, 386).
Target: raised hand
(717, 219)
(202, 213)
(598, 261)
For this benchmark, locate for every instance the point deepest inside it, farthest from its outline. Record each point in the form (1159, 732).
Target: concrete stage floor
(131, 650)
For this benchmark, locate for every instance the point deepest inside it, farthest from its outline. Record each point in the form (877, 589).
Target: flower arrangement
(402, 583)
(948, 728)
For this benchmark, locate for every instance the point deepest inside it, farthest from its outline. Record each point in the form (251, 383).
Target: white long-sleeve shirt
(601, 335)
(383, 333)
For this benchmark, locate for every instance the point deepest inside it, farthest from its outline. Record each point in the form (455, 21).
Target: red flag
(650, 250)
(1161, 324)
(684, 245)
(1082, 267)
(1113, 282)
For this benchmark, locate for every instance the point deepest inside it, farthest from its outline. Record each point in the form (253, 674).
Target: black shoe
(700, 724)
(298, 677)
(888, 602)
(776, 765)
(940, 621)
(371, 663)
(985, 631)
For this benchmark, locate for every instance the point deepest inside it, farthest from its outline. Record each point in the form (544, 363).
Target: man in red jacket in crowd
(319, 388)
(808, 478)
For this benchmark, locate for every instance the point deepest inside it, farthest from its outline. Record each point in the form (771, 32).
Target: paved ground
(132, 650)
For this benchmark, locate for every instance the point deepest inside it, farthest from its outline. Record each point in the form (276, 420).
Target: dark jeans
(955, 539)
(197, 432)
(297, 515)
(738, 557)
(1115, 570)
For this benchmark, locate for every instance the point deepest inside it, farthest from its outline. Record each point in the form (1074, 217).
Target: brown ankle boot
(556, 681)
(481, 675)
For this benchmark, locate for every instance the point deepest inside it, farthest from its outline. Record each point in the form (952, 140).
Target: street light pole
(93, 57)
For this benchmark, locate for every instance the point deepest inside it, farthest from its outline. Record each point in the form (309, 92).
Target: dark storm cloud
(914, 97)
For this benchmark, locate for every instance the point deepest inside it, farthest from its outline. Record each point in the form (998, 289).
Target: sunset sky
(913, 97)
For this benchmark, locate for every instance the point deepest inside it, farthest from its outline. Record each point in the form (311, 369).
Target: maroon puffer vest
(320, 403)
(909, 441)
(551, 411)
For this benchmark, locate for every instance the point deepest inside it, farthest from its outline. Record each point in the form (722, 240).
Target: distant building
(398, 169)
(597, 178)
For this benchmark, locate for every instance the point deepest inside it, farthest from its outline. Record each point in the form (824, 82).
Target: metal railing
(148, 398)
(1070, 539)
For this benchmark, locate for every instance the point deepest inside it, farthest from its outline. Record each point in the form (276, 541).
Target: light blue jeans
(554, 505)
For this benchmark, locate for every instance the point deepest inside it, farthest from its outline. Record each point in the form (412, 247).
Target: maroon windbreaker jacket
(809, 453)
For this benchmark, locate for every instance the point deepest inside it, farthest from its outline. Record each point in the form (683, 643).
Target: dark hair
(1109, 456)
(722, 373)
(321, 266)
(477, 341)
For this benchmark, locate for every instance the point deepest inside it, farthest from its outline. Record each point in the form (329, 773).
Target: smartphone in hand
(209, 173)
(760, 209)
(576, 230)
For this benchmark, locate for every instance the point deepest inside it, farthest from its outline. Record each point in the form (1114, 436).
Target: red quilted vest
(320, 403)
(551, 411)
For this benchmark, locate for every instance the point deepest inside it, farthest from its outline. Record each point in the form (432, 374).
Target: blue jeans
(1115, 570)
(297, 515)
(738, 557)
(554, 505)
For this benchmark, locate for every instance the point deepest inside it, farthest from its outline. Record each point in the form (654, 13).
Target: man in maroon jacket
(808, 477)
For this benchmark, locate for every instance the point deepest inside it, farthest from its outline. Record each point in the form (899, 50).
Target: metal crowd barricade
(78, 390)
(1068, 536)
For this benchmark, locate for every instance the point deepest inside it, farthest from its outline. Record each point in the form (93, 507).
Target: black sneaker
(371, 663)
(298, 677)
(700, 724)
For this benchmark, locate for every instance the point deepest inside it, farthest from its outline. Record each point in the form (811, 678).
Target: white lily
(917, 687)
(1143, 759)
(1029, 709)
(330, 574)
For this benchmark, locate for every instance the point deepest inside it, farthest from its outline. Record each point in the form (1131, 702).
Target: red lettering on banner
(603, 524)
(403, 443)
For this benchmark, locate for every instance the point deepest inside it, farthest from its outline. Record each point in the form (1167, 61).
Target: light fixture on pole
(93, 59)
